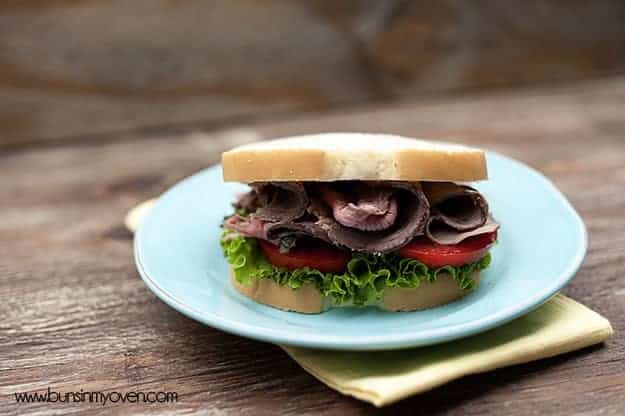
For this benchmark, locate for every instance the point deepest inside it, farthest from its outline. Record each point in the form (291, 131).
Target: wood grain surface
(75, 314)
(78, 67)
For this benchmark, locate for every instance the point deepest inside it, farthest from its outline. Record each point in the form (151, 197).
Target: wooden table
(76, 67)
(75, 314)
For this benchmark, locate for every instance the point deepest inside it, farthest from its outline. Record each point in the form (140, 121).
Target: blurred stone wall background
(74, 68)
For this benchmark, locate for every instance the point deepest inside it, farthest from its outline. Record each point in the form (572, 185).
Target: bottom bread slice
(308, 299)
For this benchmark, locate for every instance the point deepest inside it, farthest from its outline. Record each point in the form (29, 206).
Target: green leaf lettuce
(362, 283)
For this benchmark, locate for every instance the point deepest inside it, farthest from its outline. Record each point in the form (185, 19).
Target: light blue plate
(542, 243)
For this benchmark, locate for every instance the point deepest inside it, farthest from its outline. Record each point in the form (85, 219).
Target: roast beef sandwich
(346, 219)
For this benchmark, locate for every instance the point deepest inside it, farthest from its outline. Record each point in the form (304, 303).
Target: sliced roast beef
(364, 216)
(285, 234)
(247, 226)
(441, 233)
(280, 201)
(411, 220)
(459, 206)
(247, 201)
(364, 206)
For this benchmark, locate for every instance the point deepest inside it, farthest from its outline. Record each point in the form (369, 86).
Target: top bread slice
(353, 156)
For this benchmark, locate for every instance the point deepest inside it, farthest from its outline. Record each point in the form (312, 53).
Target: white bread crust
(353, 156)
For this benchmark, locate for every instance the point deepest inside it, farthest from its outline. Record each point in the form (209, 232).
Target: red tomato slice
(321, 257)
(438, 255)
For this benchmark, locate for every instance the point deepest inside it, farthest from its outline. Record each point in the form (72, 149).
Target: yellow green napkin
(383, 377)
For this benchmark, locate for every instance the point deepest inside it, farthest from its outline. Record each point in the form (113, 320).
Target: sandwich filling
(353, 239)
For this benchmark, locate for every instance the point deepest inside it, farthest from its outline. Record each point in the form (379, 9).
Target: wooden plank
(82, 67)
(76, 314)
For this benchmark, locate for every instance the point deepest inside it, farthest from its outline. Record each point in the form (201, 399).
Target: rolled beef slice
(411, 218)
(364, 207)
(280, 201)
(375, 217)
(457, 212)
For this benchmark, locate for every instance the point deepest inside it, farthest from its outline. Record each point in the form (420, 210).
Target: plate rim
(423, 337)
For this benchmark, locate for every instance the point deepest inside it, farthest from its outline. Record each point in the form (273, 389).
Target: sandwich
(348, 219)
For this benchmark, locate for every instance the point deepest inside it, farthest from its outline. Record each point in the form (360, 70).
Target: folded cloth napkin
(383, 377)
